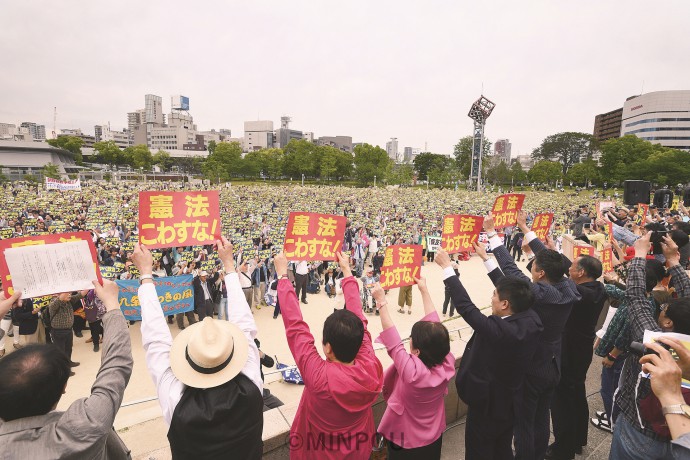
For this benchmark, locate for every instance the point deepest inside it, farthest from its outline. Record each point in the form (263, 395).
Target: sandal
(602, 424)
(400, 310)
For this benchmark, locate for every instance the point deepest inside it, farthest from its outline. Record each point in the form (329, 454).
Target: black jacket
(28, 322)
(199, 292)
(493, 365)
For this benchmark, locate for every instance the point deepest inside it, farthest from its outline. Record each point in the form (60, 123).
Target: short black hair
(344, 331)
(657, 268)
(678, 311)
(591, 266)
(33, 380)
(651, 280)
(680, 238)
(517, 292)
(683, 226)
(432, 340)
(552, 263)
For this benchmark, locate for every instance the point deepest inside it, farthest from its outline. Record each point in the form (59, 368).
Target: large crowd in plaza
(522, 372)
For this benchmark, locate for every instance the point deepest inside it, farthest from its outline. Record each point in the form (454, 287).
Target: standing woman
(416, 384)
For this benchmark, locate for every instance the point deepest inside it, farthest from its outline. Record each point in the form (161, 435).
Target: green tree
(107, 152)
(3, 177)
(463, 154)
(622, 158)
(402, 174)
(371, 162)
(668, 167)
(224, 162)
(50, 170)
(300, 158)
(498, 174)
(344, 165)
(545, 172)
(329, 160)
(274, 163)
(425, 161)
(211, 146)
(517, 173)
(190, 165)
(583, 173)
(70, 143)
(252, 164)
(138, 157)
(30, 178)
(566, 148)
(163, 160)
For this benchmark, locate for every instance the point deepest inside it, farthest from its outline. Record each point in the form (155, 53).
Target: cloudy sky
(369, 69)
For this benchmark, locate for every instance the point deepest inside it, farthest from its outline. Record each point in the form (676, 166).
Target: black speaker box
(686, 197)
(636, 191)
(663, 198)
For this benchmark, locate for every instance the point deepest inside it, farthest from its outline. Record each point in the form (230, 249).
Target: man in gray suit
(35, 377)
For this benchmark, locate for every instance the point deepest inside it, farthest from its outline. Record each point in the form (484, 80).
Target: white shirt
(157, 341)
(302, 267)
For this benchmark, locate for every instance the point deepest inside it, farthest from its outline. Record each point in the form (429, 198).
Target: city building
(88, 140)
(392, 149)
(309, 136)
(22, 158)
(502, 149)
(608, 125)
(135, 119)
(409, 154)
(258, 135)
(343, 143)
(38, 132)
(153, 110)
(103, 133)
(284, 134)
(525, 161)
(179, 132)
(7, 131)
(660, 117)
(213, 135)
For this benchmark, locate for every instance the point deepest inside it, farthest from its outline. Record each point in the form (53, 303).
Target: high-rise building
(284, 134)
(309, 136)
(258, 135)
(154, 109)
(103, 133)
(660, 117)
(135, 120)
(38, 132)
(7, 131)
(608, 125)
(409, 154)
(392, 149)
(343, 143)
(502, 149)
(525, 161)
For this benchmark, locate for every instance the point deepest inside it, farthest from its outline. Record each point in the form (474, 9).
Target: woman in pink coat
(416, 384)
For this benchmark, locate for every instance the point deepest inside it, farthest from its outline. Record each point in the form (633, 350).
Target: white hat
(209, 353)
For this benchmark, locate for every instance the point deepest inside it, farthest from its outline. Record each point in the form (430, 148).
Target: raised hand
(480, 250)
(142, 259)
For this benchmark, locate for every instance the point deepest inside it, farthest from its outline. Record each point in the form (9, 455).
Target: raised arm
(239, 312)
(429, 308)
(639, 312)
(498, 249)
(156, 338)
(353, 302)
(492, 268)
(299, 337)
(679, 277)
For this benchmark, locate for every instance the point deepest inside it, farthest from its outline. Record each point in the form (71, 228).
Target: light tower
(479, 112)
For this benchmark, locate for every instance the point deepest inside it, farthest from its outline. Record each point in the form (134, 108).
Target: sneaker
(602, 424)
(18, 346)
(305, 302)
(601, 415)
(2, 352)
(96, 347)
(79, 334)
(11, 333)
(73, 364)
(444, 315)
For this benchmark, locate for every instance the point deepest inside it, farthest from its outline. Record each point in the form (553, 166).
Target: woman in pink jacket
(416, 384)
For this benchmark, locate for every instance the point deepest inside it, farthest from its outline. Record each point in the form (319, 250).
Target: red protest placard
(506, 208)
(402, 263)
(313, 236)
(178, 218)
(607, 260)
(42, 240)
(582, 251)
(642, 211)
(459, 232)
(541, 224)
(608, 231)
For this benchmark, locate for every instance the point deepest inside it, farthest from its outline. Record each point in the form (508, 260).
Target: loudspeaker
(663, 198)
(636, 191)
(686, 197)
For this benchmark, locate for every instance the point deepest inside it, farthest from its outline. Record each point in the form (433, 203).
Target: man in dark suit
(204, 287)
(493, 365)
(554, 296)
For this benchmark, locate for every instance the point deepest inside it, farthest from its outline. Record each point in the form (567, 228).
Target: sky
(367, 69)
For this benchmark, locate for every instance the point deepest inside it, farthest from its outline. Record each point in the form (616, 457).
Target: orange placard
(506, 209)
(642, 211)
(39, 240)
(582, 251)
(312, 236)
(178, 218)
(459, 232)
(607, 260)
(541, 224)
(401, 264)
(608, 231)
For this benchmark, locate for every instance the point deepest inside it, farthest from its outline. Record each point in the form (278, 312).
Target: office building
(258, 135)
(502, 149)
(409, 154)
(392, 149)
(660, 117)
(525, 161)
(284, 134)
(608, 125)
(135, 119)
(343, 143)
(103, 133)
(87, 140)
(7, 131)
(309, 136)
(153, 110)
(38, 132)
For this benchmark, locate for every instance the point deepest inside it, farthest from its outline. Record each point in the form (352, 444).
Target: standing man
(301, 277)
(203, 294)
(61, 322)
(569, 410)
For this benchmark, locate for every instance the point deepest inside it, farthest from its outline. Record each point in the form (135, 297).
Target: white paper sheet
(51, 268)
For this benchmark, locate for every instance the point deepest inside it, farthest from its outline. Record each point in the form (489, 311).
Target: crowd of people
(523, 370)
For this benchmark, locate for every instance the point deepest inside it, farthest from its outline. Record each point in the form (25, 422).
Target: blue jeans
(609, 382)
(223, 308)
(628, 443)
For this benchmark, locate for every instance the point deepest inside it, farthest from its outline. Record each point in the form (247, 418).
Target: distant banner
(433, 243)
(541, 225)
(401, 264)
(505, 209)
(54, 184)
(459, 232)
(582, 251)
(175, 293)
(312, 236)
(178, 218)
(6, 233)
(607, 260)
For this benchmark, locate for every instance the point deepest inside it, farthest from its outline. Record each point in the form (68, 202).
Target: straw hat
(209, 353)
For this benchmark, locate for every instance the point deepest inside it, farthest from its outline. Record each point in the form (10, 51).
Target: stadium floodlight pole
(479, 112)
